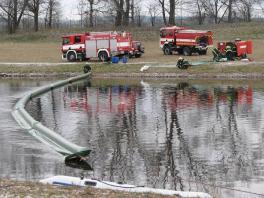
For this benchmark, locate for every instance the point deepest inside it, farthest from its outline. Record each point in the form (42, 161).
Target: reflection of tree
(117, 140)
(196, 168)
(233, 157)
(34, 107)
(122, 156)
(53, 108)
(170, 164)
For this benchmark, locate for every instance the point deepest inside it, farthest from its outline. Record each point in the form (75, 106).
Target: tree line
(128, 12)
(13, 11)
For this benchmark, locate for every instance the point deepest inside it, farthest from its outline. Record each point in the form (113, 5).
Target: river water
(183, 135)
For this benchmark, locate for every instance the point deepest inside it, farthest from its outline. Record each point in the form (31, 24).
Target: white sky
(69, 9)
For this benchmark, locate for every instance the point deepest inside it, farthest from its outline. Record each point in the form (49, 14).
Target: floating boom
(42, 133)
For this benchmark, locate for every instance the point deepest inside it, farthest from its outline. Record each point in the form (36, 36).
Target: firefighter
(182, 64)
(229, 53)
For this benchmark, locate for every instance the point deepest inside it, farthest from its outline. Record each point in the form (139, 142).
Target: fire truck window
(170, 34)
(65, 41)
(77, 39)
(162, 33)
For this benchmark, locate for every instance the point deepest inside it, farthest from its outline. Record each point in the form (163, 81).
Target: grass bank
(226, 31)
(10, 188)
(247, 70)
(45, 46)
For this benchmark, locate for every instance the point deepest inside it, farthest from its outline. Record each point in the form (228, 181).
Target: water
(164, 134)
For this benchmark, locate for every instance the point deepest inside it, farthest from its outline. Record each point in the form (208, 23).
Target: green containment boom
(42, 133)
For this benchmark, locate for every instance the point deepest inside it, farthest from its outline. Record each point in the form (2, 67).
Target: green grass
(134, 70)
(76, 68)
(223, 31)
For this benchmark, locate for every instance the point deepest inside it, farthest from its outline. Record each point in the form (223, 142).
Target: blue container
(115, 59)
(124, 59)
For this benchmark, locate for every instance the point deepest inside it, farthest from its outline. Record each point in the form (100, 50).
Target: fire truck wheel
(103, 56)
(137, 55)
(71, 57)
(187, 51)
(202, 52)
(167, 50)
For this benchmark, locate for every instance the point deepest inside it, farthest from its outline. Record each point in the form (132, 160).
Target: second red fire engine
(185, 41)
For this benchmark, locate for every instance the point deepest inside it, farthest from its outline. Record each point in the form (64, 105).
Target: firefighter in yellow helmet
(229, 53)
(182, 64)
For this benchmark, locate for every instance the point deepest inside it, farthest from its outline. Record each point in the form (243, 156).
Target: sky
(69, 9)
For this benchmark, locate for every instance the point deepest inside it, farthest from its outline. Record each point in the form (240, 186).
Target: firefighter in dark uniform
(182, 64)
(229, 53)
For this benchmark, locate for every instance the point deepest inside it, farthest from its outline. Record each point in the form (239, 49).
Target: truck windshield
(163, 33)
(65, 41)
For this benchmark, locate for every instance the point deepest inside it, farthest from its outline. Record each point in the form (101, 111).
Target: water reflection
(176, 135)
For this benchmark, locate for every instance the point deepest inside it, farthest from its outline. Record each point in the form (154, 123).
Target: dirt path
(152, 64)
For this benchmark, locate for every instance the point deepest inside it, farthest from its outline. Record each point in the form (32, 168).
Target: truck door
(90, 48)
(113, 45)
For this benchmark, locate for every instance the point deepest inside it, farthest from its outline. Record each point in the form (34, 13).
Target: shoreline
(209, 76)
(14, 188)
(236, 70)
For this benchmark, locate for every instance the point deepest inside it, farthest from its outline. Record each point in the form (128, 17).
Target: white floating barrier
(61, 180)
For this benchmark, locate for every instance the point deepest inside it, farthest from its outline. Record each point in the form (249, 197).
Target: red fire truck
(234, 49)
(185, 41)
(100, 45)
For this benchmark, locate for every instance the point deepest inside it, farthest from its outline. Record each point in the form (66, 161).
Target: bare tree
(200, 12)
(172, 12)
(119, 8)
(82, 10)
(260, 4)
(245, 8)
(153, 11)
(13, 10)
(132, 12)
(34, 8)
(163, 11)
(91, 13)
(230, 11)
(138, 15)
(197, 9)
(126, 13)
(215, 9)
(52, 11)
(123, 10)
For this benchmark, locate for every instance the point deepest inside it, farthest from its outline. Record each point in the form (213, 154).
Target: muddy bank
(11, 188)
(231, 76)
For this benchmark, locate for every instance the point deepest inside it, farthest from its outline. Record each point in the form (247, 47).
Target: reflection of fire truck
(188, 96)
(116, 99)
(185, 41)
(100, 45)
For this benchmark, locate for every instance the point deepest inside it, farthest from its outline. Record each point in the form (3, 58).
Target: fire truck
(185, 41)
(232, 50)
(102, 45)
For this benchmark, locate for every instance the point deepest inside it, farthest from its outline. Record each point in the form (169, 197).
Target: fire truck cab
(73, 47)
(185, 41)
(102, 45)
